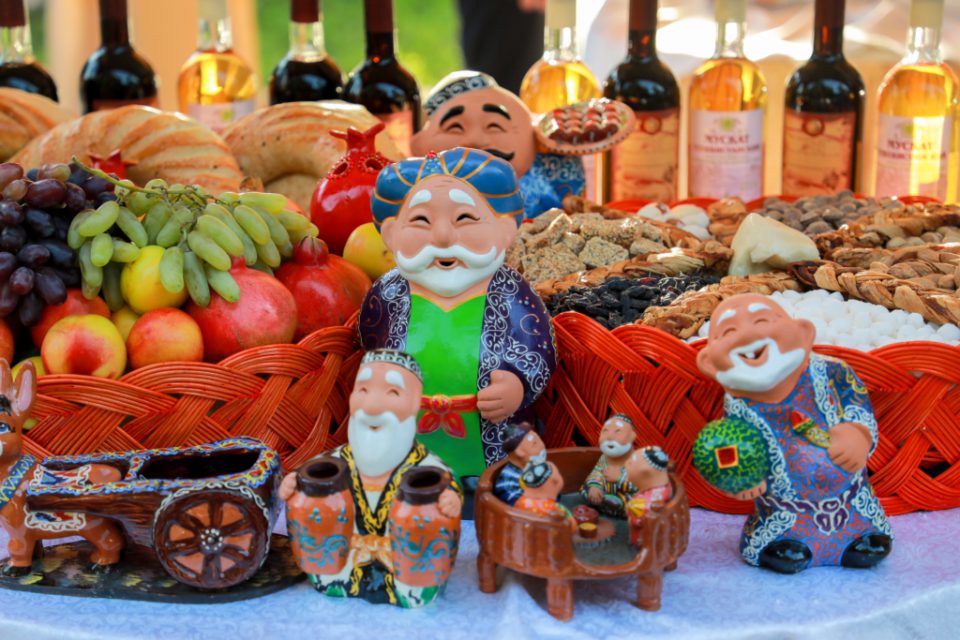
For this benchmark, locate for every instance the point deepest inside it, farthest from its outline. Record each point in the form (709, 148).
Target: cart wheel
(211, 539)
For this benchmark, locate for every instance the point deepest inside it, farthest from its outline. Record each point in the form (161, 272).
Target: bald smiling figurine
(817, 506)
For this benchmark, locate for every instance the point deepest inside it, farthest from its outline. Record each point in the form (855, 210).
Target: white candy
(700, 232)
(949, 332)
(651, 211)
(915, 320)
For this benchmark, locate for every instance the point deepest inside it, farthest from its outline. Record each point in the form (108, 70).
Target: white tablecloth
(914, 594)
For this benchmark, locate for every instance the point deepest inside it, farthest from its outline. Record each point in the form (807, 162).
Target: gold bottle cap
(561, 14)
(731, 11)
(926, 13)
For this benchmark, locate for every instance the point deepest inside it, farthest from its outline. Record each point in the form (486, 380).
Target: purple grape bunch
(36, 264)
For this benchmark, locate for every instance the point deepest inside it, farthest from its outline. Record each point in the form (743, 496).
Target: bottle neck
(214, 34)
(730, 37)
(923, 45)
(15, 44)
(828, 28)
(380, 45)
(381, 35)
(642, 38)
(306, 40)
(560, 44)
(114, 31)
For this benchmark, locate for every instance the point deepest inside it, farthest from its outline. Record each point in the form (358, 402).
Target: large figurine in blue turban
(480, 333)
(469, 109)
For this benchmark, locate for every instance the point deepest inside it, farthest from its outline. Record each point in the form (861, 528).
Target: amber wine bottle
(216, 86)
(917, 127)
(116, 75)
(727, 99)
(306, 72)
(645, 165)
(823, 118)
(381, 83)
(18, 68)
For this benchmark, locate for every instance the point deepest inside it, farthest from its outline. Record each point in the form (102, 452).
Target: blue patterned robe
(517, 336)
(549, 179)
(809, 498)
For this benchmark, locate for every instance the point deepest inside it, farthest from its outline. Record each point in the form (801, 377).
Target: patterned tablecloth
(712, 595)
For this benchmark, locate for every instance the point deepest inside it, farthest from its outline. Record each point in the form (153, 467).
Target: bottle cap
(305, 11)
(561, 14)
(731, 11)
(12, 13)
(926, 13)
(213, 9)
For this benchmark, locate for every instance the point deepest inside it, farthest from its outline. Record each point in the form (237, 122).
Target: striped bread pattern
(24, 116)
(162, 144)
(289, 147)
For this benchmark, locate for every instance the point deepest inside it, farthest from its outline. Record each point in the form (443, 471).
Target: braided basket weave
(295, 399)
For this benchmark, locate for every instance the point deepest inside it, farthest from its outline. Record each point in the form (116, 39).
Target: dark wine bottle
(18, 68)
(380, 83)
(823, 118)
(645, 165)
(115, 74)
(306, 72)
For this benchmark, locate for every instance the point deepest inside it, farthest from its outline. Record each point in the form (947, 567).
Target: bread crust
(24, 116)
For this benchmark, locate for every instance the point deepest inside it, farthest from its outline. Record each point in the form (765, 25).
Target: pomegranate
(327, 288)
(341, 201)
(266, 313)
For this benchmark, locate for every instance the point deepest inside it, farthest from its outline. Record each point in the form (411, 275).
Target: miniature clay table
(712, 593)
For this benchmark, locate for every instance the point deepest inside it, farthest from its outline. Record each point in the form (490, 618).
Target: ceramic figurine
(542, 484)
(814, 504)
(647, 472)
(481, 334)
(608, 486)
(469, 109)
(404, 504)
(522, 445)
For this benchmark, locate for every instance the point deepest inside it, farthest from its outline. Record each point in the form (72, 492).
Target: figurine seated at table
(542, 484)
(381, 452)
(815, 429)
(608, 486)
(523, 445)
(647, 472)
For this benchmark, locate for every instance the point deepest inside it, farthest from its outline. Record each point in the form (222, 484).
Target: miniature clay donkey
(25, 527)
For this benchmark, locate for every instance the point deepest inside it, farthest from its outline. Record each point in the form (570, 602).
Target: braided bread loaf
(24, 116)
(289, 147)
(163, 145)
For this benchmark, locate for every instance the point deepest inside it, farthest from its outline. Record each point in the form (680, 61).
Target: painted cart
(207, 510)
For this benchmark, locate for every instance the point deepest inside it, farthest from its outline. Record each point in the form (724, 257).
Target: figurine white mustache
(452, 281)
(744, 377)
(614, 449)
(381, 442)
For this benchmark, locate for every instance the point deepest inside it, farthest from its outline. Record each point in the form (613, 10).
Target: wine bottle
(645, 165)
(823, 115)
(216, 86)
(18, 68)
(918, 115)
(727, 99)
(306, 72)
(380, 83)
(115, 74)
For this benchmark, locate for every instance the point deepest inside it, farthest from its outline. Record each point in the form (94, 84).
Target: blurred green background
(428, 35)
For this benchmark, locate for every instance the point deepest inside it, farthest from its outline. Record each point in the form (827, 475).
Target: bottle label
(645, 164)
(726, 154)
(912, 156)
(818, 150)
(218, 116)
(400, 129)
(100, 105)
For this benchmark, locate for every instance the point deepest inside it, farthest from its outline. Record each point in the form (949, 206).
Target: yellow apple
(365, 248)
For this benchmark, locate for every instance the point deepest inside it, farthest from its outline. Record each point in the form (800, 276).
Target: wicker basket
(294, 398)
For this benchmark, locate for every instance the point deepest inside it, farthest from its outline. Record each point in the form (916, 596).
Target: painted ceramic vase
(423, 541)
(320, 516)
(731, 455)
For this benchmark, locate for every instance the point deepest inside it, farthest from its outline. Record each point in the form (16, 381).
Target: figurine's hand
(501, 398)
(594, 495)
(289, 486)
(849, 446)
(751, 494)
(449, 503)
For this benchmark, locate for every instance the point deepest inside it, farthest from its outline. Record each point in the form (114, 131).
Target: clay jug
(423, 541)
(320, 516)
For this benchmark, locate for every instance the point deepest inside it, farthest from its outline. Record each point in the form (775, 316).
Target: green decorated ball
(731, 455)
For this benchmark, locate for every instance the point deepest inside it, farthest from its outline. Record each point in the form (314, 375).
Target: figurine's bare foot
(13, 571)
(288, 487)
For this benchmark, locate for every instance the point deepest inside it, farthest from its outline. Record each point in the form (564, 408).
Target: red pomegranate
(327, 288)
(265, 314)
(341, 201)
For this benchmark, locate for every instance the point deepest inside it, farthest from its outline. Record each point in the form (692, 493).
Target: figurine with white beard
(608, 487)
(815, 505)
(381, 448)
(481, 334)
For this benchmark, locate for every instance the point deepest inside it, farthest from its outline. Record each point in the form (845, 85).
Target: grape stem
(165, 193)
